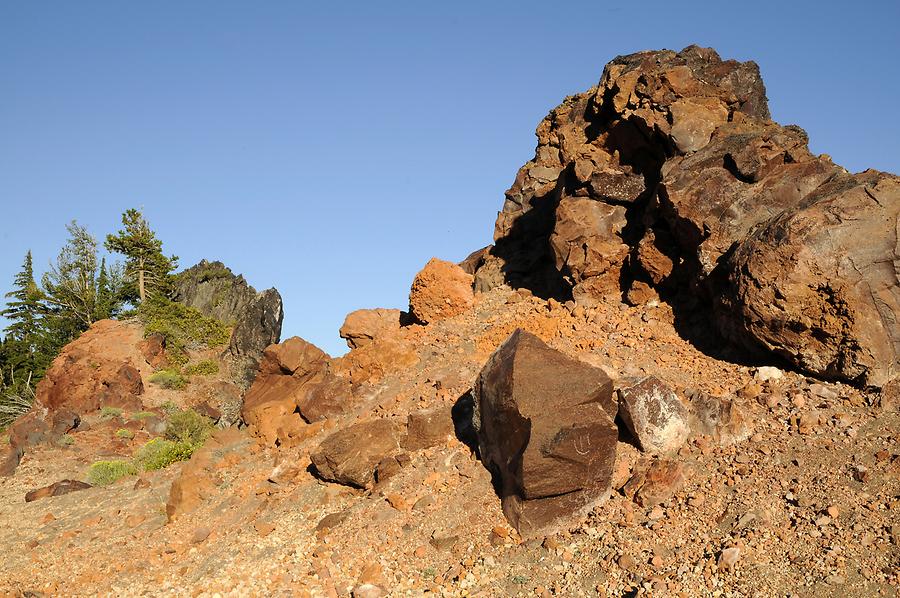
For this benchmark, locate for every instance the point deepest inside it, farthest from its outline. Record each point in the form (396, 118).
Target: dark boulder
(545, 428)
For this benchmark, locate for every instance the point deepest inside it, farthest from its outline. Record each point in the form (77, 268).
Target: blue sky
(330, 150)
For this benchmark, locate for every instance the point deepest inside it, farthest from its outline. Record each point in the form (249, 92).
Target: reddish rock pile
(294, 388)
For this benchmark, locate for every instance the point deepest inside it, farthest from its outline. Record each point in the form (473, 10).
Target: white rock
(768, 372)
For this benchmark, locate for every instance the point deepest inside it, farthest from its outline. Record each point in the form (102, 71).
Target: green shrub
(103, 473)
(66, 440)
(142, 415)
(160, 453)
(110, 412)
(183, 327)
(189, 427)
(124, 433)
(207, 367)
(169, 379)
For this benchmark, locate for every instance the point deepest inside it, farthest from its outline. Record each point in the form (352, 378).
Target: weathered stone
(9, 459)
(350, 456)
(197, 481)
(656, 484)
(440, 290)
(804, 286)
(295, 387)
(293, 357)
(153, 348)
(362, 326)
(56, 489)
(428, 427)
(655, 416)
(720, 418)
(545, 426)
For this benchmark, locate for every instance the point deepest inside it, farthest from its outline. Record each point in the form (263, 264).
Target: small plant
(124, 433)
(110, 412)
(142, 415)
(66, 440)
(104, 473)
(189, 427)
(520, 580)
(170, 407)
(429, 572)
(160, 453)
(169, 379)
(207, 367)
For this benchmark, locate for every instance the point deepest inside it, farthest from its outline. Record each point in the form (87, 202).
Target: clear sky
(330, 149)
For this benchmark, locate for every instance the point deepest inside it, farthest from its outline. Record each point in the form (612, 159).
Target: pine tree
(71, 284)
(109, 291)
(23, 354)
(147, 269)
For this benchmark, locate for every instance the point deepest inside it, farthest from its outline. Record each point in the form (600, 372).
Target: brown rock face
(668, 179)
(545, 427)
(9, 459)
(93, 371)
(428, 427)
(440, 290)
(818, 284)
(362, 326)
(350, 456)
(56, 489)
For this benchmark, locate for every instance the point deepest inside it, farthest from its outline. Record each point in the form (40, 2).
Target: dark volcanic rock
(669, 180)
(818, 284)
(215, 291)
(56, 489)
(350, 456)
(545, 427)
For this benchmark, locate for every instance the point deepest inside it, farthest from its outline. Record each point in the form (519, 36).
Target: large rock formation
(294, 388)
(216, 292)
(545, 427)
(669, 177)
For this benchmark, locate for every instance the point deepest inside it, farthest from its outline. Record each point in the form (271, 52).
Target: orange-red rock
(362, 326)
(440, 290)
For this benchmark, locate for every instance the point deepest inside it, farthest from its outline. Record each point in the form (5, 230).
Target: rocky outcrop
(818, 284)
(95, 370)
(439, 291)
(350, 456)
(669, 178)
(363, 326)
(545, 428)
(215, 291)
(294, 388)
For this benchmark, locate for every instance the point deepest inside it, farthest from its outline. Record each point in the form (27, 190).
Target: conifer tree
(23, 347)
(147, 269)
(71, 285)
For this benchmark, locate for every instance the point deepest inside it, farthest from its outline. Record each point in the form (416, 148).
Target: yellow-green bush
(110, 412)
(207, 367)
(169, 379)
(189, 427)
(103, 473)
(124, 433)
(160, 453)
